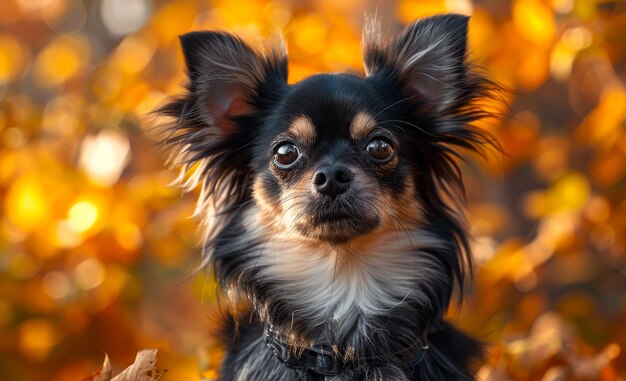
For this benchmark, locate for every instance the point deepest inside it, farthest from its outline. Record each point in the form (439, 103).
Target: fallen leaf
(144, 368)
(102, 374)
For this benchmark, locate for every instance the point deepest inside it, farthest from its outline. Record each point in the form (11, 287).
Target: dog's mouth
(322, 218)
(337, 225)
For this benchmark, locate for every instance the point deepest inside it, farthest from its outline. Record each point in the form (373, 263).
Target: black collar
(318, 359)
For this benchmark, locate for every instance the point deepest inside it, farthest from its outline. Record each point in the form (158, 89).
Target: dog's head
(335, 157)
(299, 179)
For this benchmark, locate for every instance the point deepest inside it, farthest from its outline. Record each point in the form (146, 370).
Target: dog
(332, 207)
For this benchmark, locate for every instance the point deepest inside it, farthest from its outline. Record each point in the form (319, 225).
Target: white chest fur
(342, 284)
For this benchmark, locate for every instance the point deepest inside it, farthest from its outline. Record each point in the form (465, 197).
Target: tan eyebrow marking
(362, 124)
(303, 129)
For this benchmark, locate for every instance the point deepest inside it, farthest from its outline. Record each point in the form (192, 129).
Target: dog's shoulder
(247, 356)
(451, 355)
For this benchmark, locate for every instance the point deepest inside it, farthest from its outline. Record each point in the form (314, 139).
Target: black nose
(332, 180)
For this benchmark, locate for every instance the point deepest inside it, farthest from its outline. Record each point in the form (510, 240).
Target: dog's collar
(319, 359)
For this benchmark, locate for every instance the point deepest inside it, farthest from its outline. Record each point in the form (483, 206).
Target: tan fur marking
(407, 208)
(303, 129)
(362, 125)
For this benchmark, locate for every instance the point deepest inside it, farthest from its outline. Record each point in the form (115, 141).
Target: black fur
(423, 97)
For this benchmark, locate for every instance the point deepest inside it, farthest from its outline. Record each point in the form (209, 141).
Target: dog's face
(328, 165)
(334, 157)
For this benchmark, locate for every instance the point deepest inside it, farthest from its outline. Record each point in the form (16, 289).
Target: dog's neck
(383, 289)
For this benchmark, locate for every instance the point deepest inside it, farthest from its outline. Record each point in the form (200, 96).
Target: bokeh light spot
(26, 205)
(12, 58)
(310, 35)
(121, 17)
(64, 58)
(598, 209)
(37, 5)
(82, 216)
(66, 236)
(104, 156)
(409, 10)
(563, 6)
(23, 266)
(534, 20)
(128, 236)
(56, 284)
(89, 274)
(13, 137)
(37, 337)
(464, 7)
(134, 53)
(578, 38)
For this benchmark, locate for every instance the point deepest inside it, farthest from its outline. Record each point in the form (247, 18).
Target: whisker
(394, 104)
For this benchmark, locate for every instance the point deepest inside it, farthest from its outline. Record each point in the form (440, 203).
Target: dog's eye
(380, 150)
(286, 155)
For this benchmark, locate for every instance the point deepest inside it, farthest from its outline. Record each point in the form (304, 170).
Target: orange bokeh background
(97, 249)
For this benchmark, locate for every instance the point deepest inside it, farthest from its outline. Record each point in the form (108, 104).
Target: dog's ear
(231, 87)
(226, 76)
(428, 57)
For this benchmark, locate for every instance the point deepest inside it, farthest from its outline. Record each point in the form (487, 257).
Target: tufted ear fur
(428, 56)
(230, 89)
(226, 75)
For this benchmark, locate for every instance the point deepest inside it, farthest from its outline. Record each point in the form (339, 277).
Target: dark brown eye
(380, 150)
(286, 155)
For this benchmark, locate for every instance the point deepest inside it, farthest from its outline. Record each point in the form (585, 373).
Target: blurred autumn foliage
(96, 250)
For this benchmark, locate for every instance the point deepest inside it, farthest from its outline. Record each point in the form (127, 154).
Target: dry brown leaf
(144, 368)
(102, 374)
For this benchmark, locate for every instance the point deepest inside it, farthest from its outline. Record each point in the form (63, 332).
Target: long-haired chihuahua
(330, 206)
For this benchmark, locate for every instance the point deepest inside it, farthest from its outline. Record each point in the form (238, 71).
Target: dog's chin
(338, 228)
